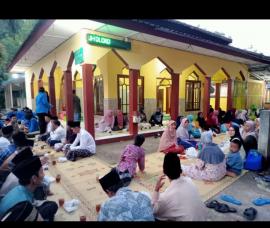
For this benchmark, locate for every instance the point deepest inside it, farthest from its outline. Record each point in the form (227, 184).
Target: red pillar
(229, 96)
(68, 95)
(217, 98)
(206, 104)
(174, 96)
(88, 98)
(52, 93)
(133, 100)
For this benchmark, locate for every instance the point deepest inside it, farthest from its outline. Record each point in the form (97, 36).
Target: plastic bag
(71, 205)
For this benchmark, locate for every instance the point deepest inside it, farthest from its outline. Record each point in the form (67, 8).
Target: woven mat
(78, 181)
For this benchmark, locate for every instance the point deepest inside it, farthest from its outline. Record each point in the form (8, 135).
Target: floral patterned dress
(205, 171)
(130, 157)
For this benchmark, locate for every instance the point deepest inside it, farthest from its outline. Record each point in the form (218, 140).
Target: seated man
(83, 146)
(23, 211)
(7, 132)
(70, 137)
(32, 124)
(124, 204)
(48, 120)
(234, 161)
(12, 181)
(58, 133)
(156, 118)
(14, 123)
(4, 142)
(30, 174)
(181, 200)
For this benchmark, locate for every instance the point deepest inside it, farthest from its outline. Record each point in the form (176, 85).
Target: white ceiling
(62, 30)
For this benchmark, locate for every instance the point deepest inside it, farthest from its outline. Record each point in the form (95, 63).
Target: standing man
(42, 108)
(76, 107)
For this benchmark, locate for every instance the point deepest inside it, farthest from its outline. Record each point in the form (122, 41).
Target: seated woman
(234, 161)
(221, 115)
(201, 119)
(211, 163)
(178, 120)
(242, 114)
(156, 118)
(107, 122)
(212, 120)
(249, 136)
(168, 140)
(118, 121)
(132, 155)
(192, 130)
(183, 135)
(142, 115)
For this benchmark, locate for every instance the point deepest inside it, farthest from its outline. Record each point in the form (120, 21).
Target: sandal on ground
(212, 204)
(250, 213)
(230, 199)
(261, 201)
(224, 208)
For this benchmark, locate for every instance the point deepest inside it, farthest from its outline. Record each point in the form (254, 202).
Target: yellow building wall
(142, 56)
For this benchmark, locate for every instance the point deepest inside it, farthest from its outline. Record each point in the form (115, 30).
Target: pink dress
(207, 172)
(130, 157)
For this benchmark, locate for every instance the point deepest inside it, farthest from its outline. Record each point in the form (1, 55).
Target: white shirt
(3, 143)
(49, 127)
(179, 202)
(86, 142)
(58, 134)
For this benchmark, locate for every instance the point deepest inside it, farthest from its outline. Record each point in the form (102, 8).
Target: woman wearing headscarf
(242, 115)
(118, 121)
(201, 119)
(221, 115)
(192, 130)
(211, 163)
(182, 134)
(212, 121)
(249, 136)
(107, 122)
(168, 140)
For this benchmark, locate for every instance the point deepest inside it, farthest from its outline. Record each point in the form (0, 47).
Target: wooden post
(133, 100)
(174, 96)
(217, 97)
(206, 104)
(52, 93)
(68, 95)
(88, 98)
(230, 94)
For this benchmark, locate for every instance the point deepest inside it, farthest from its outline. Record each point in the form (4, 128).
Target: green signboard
(107, 42)
(78, 55)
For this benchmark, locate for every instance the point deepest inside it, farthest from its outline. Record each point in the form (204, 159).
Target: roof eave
(40, 28)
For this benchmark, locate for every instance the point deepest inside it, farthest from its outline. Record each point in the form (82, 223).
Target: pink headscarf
(120, 118)
(168, 137)
(109, 118)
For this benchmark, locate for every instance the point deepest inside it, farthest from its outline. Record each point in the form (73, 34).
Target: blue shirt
(234, 162)
(33, 125)
(6, 153)
(13, 197)
(127, 205)
(42, 104)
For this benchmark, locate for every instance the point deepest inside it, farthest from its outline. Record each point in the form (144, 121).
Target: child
(132, 155)
(234, 161)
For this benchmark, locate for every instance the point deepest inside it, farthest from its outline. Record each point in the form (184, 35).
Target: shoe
(230, 199)
(261, 201)
(250, 213)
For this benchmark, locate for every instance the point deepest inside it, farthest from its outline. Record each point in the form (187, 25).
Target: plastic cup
(58, 178)
(83, 218)
(98, 206)
(61, 202)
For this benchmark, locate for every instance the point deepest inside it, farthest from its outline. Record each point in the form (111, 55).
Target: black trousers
(42, 123)
(48, 210)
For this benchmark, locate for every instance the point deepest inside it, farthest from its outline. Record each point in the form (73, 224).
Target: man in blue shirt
(30, 174)
(124, 204)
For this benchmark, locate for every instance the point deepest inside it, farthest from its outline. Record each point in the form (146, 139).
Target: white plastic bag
(71, 205)
(62, 159)
(191, 152)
